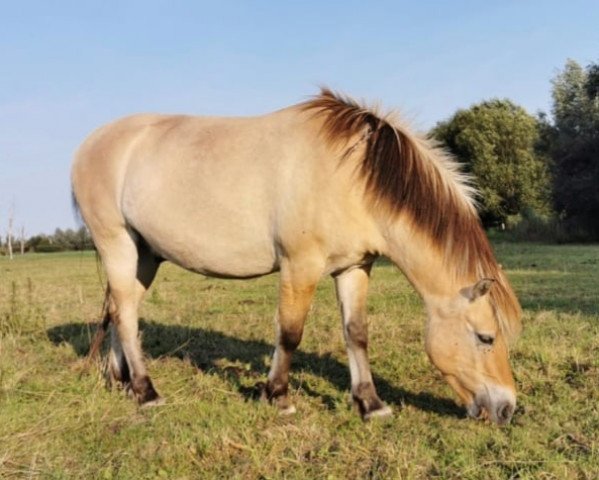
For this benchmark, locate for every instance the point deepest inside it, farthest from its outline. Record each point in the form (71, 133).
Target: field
(209, 342)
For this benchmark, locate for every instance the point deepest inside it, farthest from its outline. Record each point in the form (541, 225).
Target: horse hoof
(153, 403)
(384, 412)
(288, 410)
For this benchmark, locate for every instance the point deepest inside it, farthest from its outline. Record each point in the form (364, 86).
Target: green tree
(496, 141)
(60, 241)
(574, 147)
(70, 239)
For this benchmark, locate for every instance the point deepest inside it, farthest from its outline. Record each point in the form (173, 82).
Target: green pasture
(208, 343)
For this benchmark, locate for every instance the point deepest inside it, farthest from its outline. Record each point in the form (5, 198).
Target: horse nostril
(504, 412)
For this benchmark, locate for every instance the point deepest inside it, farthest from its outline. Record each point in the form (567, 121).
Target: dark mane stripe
(409, 174)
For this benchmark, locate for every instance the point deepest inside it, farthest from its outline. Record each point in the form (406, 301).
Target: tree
(496, 141)
(574, 147)
(61, 241)
(70, 239)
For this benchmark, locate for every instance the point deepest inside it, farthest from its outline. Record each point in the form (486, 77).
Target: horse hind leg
(130, 269)
(352, 288)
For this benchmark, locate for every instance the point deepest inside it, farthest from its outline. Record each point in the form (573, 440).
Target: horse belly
(218, 257)
(201, 233)
(213, 245)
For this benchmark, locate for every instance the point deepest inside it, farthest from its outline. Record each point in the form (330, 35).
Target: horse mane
(410, 174)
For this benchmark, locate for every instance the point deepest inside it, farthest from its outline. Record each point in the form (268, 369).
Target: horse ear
(479, 289)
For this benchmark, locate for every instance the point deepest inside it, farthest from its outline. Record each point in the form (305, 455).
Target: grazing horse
(320, 188)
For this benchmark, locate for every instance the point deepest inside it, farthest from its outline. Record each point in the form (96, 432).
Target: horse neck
(422, 262)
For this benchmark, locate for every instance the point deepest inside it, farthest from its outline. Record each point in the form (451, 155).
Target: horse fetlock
(274, 389)
(276, 393)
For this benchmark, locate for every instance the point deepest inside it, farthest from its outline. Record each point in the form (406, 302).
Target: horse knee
(357, 334)
(290, 337)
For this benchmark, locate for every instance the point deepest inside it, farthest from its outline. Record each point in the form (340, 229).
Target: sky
(67, 67)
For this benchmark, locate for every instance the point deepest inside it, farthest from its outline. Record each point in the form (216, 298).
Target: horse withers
(320, 188)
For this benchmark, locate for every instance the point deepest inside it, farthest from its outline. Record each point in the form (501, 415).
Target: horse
(321, 188)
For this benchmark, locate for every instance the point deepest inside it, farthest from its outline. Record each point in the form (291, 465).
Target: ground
(209, 342)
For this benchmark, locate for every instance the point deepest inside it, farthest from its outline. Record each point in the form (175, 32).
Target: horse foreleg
(352, 288)
(295, 297)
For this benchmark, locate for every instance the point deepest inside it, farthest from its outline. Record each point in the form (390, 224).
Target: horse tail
(102, 326)
(105, 315)
(76, 209)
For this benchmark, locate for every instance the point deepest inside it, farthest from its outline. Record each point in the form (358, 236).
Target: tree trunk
(22, 240)
(9, 234)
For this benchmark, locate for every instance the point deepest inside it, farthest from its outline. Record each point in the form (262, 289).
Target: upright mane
(410, 174)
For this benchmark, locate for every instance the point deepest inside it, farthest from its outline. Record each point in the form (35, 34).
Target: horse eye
(486, 339)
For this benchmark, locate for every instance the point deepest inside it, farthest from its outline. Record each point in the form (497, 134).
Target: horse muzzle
(495, 403)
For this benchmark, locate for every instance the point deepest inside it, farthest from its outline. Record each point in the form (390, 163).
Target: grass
(209, 342)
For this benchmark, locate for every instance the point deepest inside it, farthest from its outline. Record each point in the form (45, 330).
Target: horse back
(221, 196)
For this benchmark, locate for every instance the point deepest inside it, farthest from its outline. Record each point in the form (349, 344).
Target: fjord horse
(320, 188)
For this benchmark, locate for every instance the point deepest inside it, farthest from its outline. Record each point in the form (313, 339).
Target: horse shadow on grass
(233, 359)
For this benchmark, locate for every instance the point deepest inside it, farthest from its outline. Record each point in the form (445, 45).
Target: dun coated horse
(320, 188)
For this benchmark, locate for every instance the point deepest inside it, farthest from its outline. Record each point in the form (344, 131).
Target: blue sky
(68, 67)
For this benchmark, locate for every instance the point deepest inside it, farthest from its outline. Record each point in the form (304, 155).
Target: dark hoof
(144, 391)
